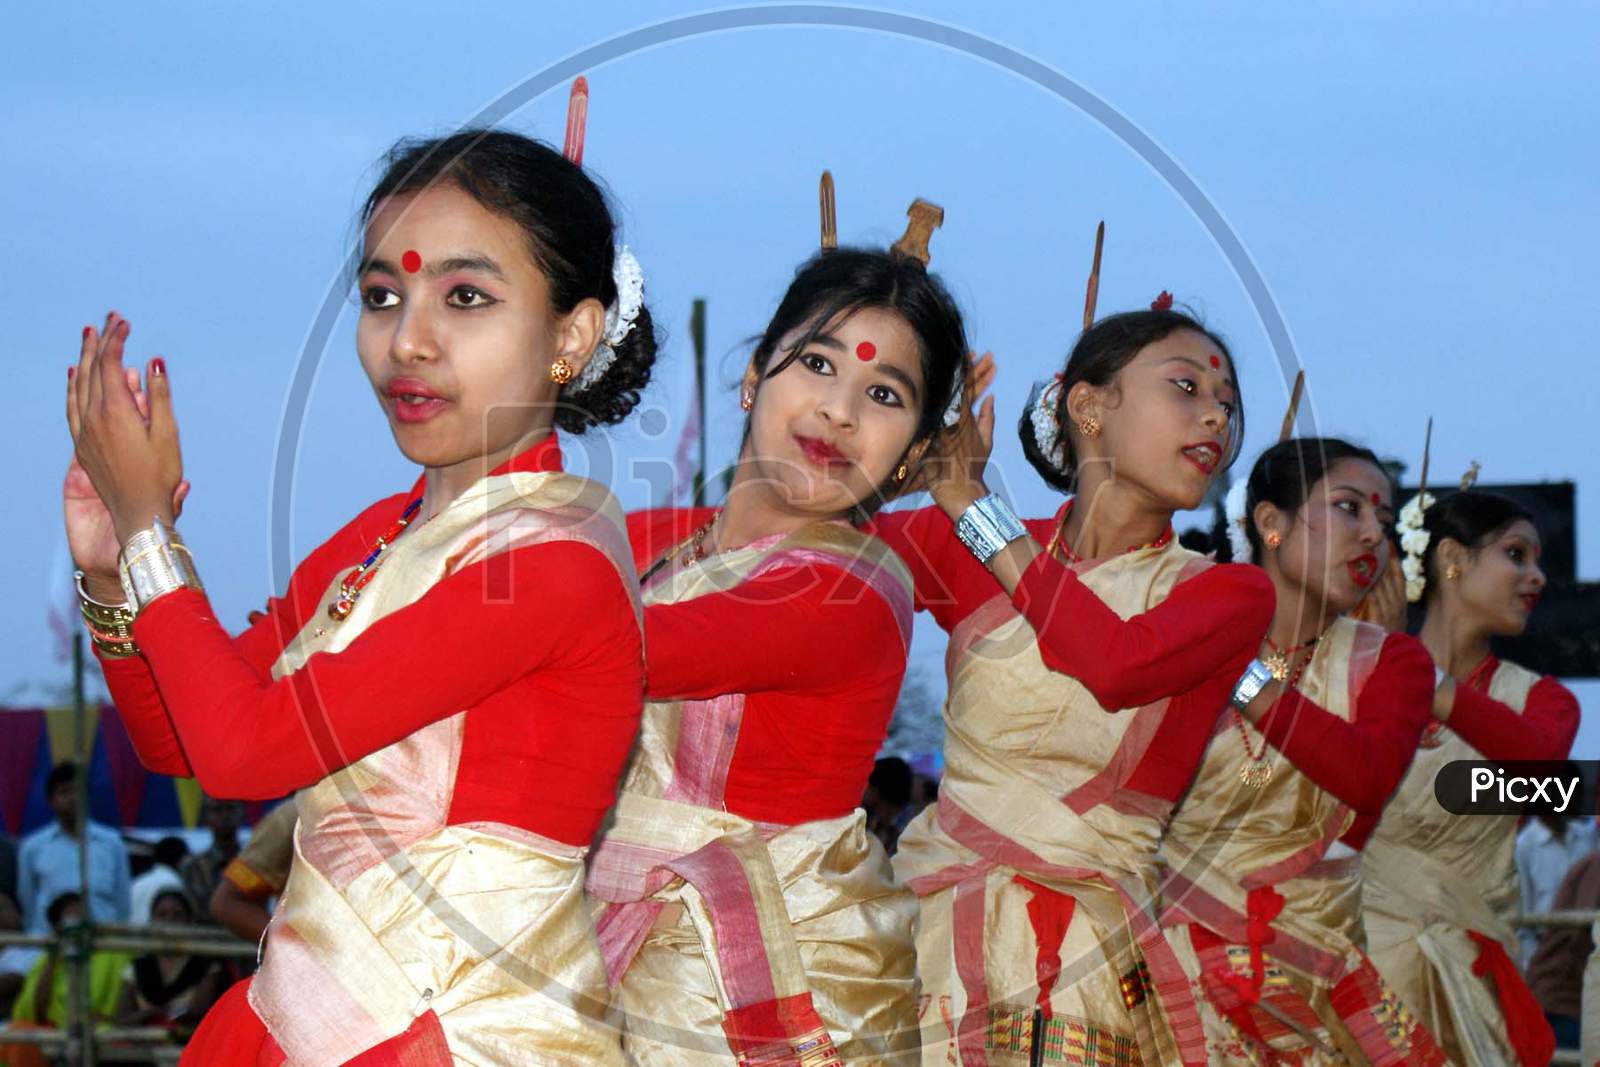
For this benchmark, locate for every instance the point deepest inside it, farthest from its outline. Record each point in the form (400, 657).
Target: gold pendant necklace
(1255, 771)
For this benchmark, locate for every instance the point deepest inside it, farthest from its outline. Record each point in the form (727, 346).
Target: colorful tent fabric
(121, 792)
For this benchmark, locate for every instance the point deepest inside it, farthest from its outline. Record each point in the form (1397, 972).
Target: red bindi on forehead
(866, 350)
(1216, 363)
(411, 262)
(1377, 501)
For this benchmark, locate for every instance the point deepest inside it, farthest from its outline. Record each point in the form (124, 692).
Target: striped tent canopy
(121, 792)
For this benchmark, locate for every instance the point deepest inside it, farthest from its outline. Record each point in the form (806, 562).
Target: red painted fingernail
(87, 330)
(158, 366)
(72, 372)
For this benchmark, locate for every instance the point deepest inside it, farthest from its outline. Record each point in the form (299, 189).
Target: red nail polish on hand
(158, 366)
(72, 372)
(87, 330)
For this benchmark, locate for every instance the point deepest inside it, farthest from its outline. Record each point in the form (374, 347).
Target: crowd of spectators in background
(130, 881)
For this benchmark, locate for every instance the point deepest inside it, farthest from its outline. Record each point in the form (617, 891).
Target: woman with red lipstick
(750, 917)
(1441, 887)
(1262, 893)
(453, 680)
(1090, 656)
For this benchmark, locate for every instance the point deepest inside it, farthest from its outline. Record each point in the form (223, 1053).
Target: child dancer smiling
(751, 916)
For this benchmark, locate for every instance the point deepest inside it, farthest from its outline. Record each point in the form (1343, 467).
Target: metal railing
(78, 1044)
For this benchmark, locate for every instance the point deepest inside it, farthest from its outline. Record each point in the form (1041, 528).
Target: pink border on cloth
(707, 735)
(874, 577)
(966, 929)
(719, 877)
(1171, 984)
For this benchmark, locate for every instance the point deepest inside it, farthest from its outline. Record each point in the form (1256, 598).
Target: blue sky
(1416, 185)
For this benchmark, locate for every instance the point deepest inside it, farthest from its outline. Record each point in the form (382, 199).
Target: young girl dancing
(453, 680)
(1089, 658)
(752, 918)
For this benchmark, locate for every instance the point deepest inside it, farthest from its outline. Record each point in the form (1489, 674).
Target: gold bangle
(110, 625)
(98, 611)
(114, 649)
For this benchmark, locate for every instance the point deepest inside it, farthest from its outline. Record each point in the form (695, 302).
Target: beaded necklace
(1256, 771)
(1058, 541)
(694, 543)
(352, 584)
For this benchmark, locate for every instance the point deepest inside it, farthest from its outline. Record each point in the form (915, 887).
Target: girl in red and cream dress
(1089, 659)
(1440, 888)
(746, 914)
(453, 680)
(1262, 895)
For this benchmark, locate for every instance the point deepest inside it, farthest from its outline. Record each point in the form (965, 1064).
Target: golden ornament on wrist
(109, 625)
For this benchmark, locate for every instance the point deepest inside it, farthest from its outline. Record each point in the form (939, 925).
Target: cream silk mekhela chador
(732, 941)
(1262, 902)
(392, 921)
(1433, 880)
(1034, 817)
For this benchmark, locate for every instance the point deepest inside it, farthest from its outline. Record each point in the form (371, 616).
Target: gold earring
(747, 401)
(900, 473)
(1273, 539)
(1089, 427)
(1452, 572)
(561, 371)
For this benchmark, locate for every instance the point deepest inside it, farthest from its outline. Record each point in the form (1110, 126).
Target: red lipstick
(413, 400)
(818, 451)
(1204, 454)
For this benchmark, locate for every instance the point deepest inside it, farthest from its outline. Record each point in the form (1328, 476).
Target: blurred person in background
(172, 989)
(47, 863)
(202, 871)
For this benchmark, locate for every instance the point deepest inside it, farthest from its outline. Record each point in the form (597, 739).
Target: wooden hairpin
(1287, 429)
(577, 119)
(1092, 294)
(1427, 445)
(922, 219)
(830, 219)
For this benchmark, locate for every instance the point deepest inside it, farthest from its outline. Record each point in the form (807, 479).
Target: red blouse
(1544, 730)
(1361, 760)
(549, 674)
(1191, 647)
(815, 651)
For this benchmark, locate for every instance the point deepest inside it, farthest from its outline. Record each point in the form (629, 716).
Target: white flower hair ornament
(621, 315)
(953, 410)
(1238, 522)
(1042, 402)
(1414, 540)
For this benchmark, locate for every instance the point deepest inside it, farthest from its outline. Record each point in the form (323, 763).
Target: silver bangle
(987, 526)
(153, 563)
(1254, 679)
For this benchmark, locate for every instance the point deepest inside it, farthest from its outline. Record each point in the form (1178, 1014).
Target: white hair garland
(1239, 522)
(1414, 539)
(1046, 427)
(620, 318)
